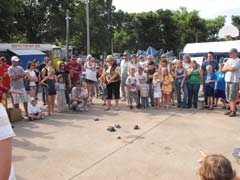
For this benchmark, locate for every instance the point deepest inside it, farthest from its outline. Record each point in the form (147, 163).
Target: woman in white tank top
(31, 76)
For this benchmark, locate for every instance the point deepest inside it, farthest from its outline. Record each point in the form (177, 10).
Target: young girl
(49, 82)
(60, 88)
(90, 66)
(103, 85)
(157, 93)
(166, 87)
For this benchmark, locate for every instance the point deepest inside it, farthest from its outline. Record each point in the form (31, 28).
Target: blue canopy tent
(151, 51)
(26, 55)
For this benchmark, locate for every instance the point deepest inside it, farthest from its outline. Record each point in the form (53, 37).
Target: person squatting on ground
(76, 101)
(61, 99)
(34, 110)
(49, 81)
(84, 95)
(16, 74)
(157, 92)
(209, 86)
(132, 88)
(232, 69)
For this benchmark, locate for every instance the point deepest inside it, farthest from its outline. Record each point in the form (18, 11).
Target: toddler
(167, 81)
(61, 100)
(144, 93)
(157, 93)
(34, 111)
(209, 86)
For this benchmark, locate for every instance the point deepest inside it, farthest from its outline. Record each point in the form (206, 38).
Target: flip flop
(107, 109)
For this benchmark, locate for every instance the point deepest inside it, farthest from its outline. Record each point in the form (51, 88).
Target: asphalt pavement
(78, 146)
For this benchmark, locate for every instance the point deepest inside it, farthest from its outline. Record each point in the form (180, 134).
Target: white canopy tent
(219, 48)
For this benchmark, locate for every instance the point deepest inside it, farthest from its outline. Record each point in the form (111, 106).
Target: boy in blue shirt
(209, 85)
(220, 86)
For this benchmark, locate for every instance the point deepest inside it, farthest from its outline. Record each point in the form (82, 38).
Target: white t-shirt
(84, 93)
(33, 109)
(32, 74)
(233, 77)
(6, 132)
(133, 82)
(140, 77)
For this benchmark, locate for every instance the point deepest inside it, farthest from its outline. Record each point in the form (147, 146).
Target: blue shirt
(210, 76)
(213, 63)
(220, 81)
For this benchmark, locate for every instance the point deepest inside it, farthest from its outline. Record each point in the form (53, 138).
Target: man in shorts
(16, 74)
(232, 78)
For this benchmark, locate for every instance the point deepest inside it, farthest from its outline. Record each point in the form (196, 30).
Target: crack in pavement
(123, 146)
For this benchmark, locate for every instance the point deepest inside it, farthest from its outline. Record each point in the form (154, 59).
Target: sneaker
(232, 114)
(228, 112)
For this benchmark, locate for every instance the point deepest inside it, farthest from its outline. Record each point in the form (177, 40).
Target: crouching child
(34, 111)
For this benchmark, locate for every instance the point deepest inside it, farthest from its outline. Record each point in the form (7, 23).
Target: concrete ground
(72, 146)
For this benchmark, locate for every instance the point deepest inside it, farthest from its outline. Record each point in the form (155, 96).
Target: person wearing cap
(34, 111)
(124, 74)
(75, 69)
(209, 61)
(232, 78)
(17, 74)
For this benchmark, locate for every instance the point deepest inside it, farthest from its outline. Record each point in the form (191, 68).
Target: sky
(208, 9)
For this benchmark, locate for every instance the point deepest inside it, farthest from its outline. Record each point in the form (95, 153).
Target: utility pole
(88, 32)
(67, 34)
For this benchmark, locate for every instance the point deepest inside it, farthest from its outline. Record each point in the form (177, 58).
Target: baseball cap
(32, 99)
(233, 50)
(14, 58)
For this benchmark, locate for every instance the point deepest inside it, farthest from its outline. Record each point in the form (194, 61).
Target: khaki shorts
(20, 97)
(232, 91)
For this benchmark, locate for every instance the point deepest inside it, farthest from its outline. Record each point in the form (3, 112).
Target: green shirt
(194, 77)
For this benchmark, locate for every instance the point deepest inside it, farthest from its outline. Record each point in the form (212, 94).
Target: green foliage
(43, 21)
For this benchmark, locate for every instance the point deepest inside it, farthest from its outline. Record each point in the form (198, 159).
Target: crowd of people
(137, 80)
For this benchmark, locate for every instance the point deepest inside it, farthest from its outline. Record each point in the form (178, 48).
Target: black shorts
(89, 81)
(209, 91)
(220, 94)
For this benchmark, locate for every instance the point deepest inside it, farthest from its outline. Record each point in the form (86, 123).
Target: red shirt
(3, 71)
(2, 91)
(76, 67)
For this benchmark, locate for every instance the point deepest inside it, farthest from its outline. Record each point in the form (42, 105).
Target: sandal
(107, 109)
